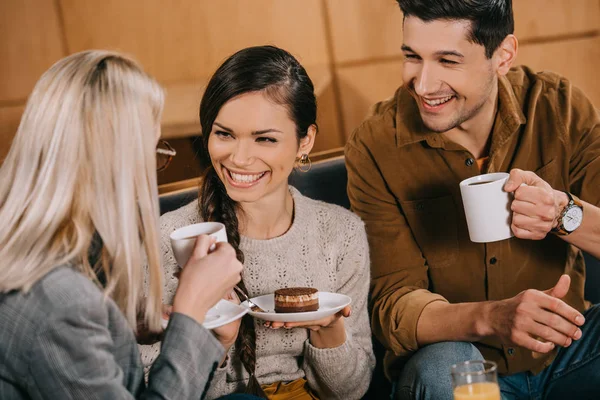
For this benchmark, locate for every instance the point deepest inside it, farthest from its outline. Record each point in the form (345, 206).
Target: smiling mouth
(437, 102)
(244, 179)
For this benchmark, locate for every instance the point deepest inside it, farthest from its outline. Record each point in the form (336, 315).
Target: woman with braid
(258, 118)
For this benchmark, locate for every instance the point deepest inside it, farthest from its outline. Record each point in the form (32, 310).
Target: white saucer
(221, 314)
(329, 304)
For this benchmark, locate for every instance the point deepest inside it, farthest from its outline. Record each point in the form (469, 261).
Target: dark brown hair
(280, 76)
(491, 20)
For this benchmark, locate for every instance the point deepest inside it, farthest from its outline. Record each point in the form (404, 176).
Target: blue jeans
(574, 373)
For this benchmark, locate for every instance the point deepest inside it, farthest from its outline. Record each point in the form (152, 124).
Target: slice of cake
(296, 299)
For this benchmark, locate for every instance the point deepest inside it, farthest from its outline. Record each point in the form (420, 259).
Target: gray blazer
(66, 340)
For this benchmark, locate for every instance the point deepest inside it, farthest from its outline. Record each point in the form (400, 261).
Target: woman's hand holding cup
(206, 277)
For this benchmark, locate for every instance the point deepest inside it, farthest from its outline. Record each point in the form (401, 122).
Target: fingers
(514, 180)
(534, 212)
(524, 340)
(346, 312)
(283, 325)
(305, 324)
(545, 334)
(535, 195)
(559, 307)
(321, 322)
(207, 278)
(561, 288)
(312, 325)
(529, 228)
(223, 245)
(525, 234)
(554, 328)
(534, 207)
(233, 297)
(202, 246)
(222, 264)
(519, 177)
(227, 256)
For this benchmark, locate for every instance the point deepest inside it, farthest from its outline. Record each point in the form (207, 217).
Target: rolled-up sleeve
(399, 279)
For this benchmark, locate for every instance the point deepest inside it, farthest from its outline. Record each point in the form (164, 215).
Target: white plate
(221, 314)
(329, 303)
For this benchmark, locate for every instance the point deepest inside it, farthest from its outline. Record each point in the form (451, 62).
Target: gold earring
(304, 163)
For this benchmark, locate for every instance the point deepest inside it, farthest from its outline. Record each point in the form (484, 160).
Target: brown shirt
(403, 182)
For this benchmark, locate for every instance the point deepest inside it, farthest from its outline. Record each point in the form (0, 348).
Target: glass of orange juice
(475, 380)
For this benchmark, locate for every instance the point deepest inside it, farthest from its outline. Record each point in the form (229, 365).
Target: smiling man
(438, 298)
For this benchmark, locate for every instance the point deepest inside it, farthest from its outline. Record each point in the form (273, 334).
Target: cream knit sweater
(326, 248)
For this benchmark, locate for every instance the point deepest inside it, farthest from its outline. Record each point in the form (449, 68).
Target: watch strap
(573, 202)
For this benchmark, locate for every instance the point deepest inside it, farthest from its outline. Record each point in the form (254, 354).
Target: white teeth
(244, 178)
(437, 102)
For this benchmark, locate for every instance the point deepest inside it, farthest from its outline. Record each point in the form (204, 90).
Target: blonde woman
(81, 175)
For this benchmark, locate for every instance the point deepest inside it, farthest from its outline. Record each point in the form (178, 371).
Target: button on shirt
(404, 183)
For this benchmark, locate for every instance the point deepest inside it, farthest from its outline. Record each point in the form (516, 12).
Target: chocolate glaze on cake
(296, 299)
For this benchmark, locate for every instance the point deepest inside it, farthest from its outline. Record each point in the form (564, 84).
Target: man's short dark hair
(491, 20)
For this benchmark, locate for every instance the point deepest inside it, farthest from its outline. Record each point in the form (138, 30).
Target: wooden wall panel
(366, 30)
(363, 30)
(30, 42)
(9, 122)
(364, 85)
(330, 134)
(186, 40)
(181, 42)
(543, 18)
(180, 115)
(577, 60)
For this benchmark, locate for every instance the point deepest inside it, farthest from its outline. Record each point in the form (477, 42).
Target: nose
(425, 82)
(241, 155)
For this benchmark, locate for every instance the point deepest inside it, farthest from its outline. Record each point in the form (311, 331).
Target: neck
(269, 217)
(475, 133)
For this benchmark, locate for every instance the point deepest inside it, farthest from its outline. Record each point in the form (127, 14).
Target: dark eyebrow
(261, 132)
(440, 53)
(223, 127)
(443, 53)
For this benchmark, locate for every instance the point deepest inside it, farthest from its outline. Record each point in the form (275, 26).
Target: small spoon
(253, 306)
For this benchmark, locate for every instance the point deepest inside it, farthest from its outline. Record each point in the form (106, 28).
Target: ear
(307, 142)
(506, 54)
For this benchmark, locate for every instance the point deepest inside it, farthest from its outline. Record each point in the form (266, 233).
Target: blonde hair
(81, 166)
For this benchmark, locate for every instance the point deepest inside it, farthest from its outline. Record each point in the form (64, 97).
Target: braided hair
(280, 76)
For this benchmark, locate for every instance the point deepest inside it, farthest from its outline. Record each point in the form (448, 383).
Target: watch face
(572, 218)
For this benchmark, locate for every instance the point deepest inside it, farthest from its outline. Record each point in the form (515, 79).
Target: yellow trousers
(295, 390)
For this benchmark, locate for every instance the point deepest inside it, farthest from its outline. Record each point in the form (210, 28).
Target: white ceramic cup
(183, 239)
(487, 207)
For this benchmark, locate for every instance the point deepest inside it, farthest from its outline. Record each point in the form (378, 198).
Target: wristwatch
(570, 218)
